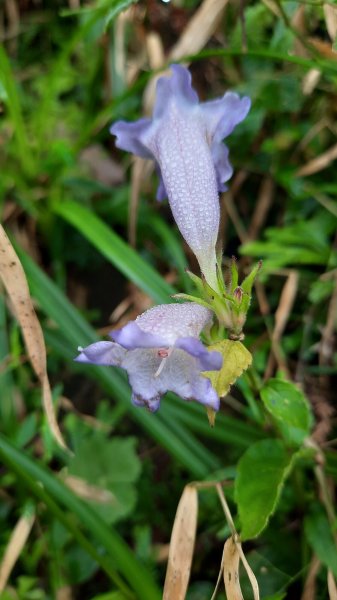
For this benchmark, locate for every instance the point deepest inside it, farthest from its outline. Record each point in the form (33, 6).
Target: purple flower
(161, 352)
(185, 139)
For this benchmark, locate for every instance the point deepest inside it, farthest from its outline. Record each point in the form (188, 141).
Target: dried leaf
(236, 359)
(182, 546)
(286, 303)
(310, 80)
(309, 591)
(14, 548)
(231, 570)
(332, 586)
(64, 593)
(155, 50)
(263, 204)
(199, 29)
(15, 282)
(250, 573)
(194, 37)
(330, 15)
(87, 491)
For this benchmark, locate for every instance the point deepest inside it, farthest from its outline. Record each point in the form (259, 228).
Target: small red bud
(238, 293)
(163, 353)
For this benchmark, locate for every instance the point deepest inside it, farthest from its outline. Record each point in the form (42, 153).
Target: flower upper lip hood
(161, 352)
(184, 137)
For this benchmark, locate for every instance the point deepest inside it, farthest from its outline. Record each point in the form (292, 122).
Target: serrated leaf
(288, 406)
(236, 359)
(261, 473)
(319, 535)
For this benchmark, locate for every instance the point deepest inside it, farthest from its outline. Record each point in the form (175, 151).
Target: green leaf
(261, 473)
(319, 535)
(111, 465)
(288, 406)
(11, 97)
(236, 359)
(122, 256)
(59, 500)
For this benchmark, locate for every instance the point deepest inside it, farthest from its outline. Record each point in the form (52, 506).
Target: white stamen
(165, 354)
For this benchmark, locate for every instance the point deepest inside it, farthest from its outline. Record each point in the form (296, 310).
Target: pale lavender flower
(161, 352)
(184, 137)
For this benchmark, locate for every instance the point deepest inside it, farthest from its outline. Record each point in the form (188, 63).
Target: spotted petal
(185, 140)
(161, 352)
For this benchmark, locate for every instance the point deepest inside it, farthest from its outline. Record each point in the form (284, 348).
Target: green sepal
(190, 298)
(219, 276)
(245, 303)
(215, 296)
(234, 275)
(247, 283)
(196, 280)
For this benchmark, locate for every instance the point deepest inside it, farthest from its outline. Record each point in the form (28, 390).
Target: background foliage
(97, 524)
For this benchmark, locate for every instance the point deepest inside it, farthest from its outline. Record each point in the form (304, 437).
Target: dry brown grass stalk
(14, 547)
(319, 163)
(264, 201)
(282, 314)
(332, 588)
(330, 15)
(309, 591)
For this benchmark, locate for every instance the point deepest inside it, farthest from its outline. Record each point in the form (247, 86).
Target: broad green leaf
(45, 486)
(288, 406)
(319, 535)
(261, 473)
(271, 579)
(111, 465)
(236, 359)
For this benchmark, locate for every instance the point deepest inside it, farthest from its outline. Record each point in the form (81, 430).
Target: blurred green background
(97, 250)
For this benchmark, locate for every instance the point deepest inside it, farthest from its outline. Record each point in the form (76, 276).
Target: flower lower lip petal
(155, 367)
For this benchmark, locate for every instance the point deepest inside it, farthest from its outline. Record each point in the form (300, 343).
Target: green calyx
(230, 302)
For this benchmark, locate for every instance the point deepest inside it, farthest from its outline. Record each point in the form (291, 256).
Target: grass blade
(115, 250)
(14, 108)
